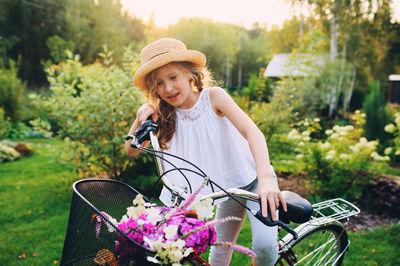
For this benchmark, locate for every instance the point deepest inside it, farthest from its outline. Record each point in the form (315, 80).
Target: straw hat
(162, 52)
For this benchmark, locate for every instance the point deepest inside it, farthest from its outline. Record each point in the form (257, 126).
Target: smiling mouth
(173, 97)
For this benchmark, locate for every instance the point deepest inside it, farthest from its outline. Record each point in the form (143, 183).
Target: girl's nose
(168, 86)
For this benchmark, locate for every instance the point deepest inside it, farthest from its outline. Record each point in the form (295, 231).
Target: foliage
(337, 166)
(273, 118)
(94, 105)
(58, 47)
(323, 81)
(28, 29)
(233, 52)
(257, 89)
(42, 127)
(11, 90)
(4, 124)
(394, 130)
(92, 24)
(374, 107)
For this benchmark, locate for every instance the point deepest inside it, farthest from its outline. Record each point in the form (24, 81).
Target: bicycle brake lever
(143, 132)
(268, 221)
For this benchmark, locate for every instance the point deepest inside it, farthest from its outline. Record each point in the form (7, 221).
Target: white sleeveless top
(213, 144)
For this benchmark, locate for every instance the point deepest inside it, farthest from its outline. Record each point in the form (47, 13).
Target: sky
(241, 12)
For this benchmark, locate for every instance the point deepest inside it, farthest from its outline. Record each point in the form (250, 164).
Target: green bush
(94, 105)
(274, 119)
(374, 107)
(394, 129)
(11, 90)
(4, 125)
(339, 165)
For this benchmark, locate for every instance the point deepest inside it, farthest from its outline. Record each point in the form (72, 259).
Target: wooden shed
(394, 89)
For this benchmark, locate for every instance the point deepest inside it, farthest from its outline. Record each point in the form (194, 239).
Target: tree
(24, 27)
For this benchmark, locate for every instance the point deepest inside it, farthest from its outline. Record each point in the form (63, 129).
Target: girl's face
(174, 86)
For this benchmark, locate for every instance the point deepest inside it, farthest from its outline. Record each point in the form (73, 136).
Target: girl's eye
(158, 83)
(173, 77)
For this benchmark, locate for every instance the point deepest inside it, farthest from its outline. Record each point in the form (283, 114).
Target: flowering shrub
(394, 128)
(335, 166)
(173, 233)
(8, 153)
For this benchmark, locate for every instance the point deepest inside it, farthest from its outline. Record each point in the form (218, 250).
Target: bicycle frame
(326, 213)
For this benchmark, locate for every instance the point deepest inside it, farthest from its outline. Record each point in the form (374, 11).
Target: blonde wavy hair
(200, 78)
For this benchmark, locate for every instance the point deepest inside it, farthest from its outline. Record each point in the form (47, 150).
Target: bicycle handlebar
(148, 131)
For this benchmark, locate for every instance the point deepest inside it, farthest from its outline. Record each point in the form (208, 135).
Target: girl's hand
(270, 195)
(145, 111)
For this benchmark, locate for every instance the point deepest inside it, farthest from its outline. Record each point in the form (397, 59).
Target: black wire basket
(90, 198)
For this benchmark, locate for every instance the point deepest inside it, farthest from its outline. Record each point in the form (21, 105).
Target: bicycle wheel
(323, 245)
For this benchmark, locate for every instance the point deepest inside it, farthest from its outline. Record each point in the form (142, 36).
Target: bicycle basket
(82, 246)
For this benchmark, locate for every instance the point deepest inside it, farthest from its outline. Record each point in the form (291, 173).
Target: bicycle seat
(299, 210)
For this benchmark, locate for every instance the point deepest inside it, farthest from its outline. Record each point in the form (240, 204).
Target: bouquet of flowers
(173, 233)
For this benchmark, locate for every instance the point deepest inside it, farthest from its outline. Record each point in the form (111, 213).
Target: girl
(205, 126)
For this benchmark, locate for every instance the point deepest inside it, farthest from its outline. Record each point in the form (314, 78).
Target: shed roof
(394, 77)
(300, 65)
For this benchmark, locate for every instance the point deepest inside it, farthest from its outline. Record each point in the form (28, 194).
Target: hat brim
(196, 57)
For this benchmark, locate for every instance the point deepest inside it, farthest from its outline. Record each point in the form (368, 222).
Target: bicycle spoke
(319, 246)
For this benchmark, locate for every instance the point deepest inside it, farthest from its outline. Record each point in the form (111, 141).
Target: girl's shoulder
(218, 98)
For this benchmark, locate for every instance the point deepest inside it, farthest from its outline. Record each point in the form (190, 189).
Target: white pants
(264, 238)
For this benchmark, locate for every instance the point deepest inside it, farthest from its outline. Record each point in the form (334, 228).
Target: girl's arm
(143, 113)
(268, 189)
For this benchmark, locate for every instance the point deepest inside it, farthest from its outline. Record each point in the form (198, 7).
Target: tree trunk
(333, 56)
(228, 70)
(301, 26)
(349, 91)
(240, 75)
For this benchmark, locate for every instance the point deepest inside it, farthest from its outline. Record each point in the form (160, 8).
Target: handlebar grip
(143, 132)
(268, 221)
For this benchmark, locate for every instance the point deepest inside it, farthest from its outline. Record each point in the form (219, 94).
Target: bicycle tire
(309, 248)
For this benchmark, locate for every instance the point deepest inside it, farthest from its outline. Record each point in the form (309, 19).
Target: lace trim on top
(198, 109)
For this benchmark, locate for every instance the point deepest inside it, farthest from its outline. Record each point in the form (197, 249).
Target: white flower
(138, 200)
(170, 231)
(153, 215)
(355, 148)
(397, 152)
(299, 156)
(328, 132)
(348, 127)
(301, 143)
(203, 208)
(326, 145)
(135, 212)
(363, 140)
(390, 128)
(388, 150)
(344, 156)
(316, 120)
(306, 133)
(334, 136)
(332, 152)
(337, 128)
(329, 157)
(307, 138)
(293, 134)
(377, 157)
(306, 123)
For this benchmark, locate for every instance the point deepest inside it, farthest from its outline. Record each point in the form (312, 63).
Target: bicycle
(319, 238)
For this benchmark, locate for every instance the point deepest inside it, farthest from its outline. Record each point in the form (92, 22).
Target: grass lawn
(36, 193)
